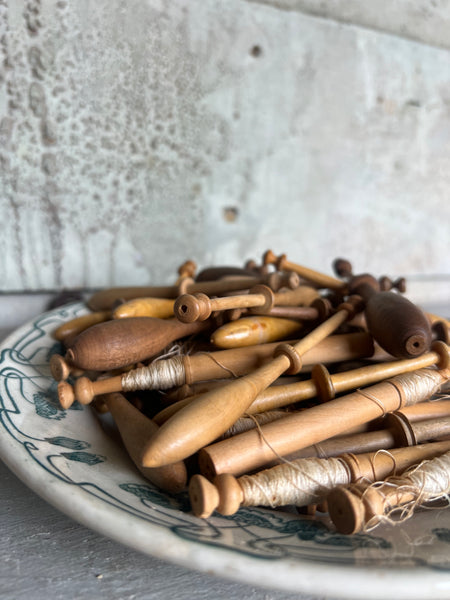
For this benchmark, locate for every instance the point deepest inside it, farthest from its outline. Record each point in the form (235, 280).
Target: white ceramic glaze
(68, 459)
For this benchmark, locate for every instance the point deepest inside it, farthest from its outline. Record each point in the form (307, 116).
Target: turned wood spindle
(253, 449)
(398, 325)
(106, 299)
(209, 415)
(198, 307)
(319, 279)
(135, 429)
(249, 331)
(160, 308)
(69, 330)
(304, 481)
(362, 507)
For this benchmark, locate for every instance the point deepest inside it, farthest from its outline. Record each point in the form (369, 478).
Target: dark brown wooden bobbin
(293, 356)
(353, 305)
(279, 280)
(322, 378)
(386, 284)
(441, 331)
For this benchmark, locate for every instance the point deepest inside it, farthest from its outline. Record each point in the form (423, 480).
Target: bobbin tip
(187, 308)
(203, 495)
(346, 510)
(417, 344)
(65, 394)
(269, 258)
(59, 368)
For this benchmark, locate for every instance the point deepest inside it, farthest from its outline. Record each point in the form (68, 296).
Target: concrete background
(136, 135)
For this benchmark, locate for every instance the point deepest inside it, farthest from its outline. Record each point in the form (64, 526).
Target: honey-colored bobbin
(212, 413)
(248, 331)
(361, 507)
(253, 449)
(160, 308)
(198, 307)
(70, 329)
(135, 429)
(319, 279)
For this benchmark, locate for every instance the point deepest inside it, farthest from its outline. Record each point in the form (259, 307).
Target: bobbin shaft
(319, 279)
(251, 450)
(198, 307)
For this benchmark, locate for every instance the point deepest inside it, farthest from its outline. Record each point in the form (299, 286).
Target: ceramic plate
(68, 459)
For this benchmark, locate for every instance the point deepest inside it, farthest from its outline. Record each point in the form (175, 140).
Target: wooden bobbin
(160, 308)
(358, 506)
(251, 330)
(253, 449)
(106, 299)
(70, 329)
(231, 493)
(121, 342)
(198, 307)
(319, 279)
(135, 429)
(399, 326)
(230, 363)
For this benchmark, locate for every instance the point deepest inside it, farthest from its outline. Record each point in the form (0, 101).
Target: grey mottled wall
(135, 135)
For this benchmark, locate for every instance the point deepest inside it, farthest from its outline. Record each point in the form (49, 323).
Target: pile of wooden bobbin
(271, 385)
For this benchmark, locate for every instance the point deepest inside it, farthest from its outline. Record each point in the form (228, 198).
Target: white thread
(162, 374)
(424, 483)
(417, 386)
(302, 482)
(245, 423)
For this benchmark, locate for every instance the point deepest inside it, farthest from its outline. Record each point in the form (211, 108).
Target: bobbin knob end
(203, 495)
(230, 494)
(189, 307)
(65, 394)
